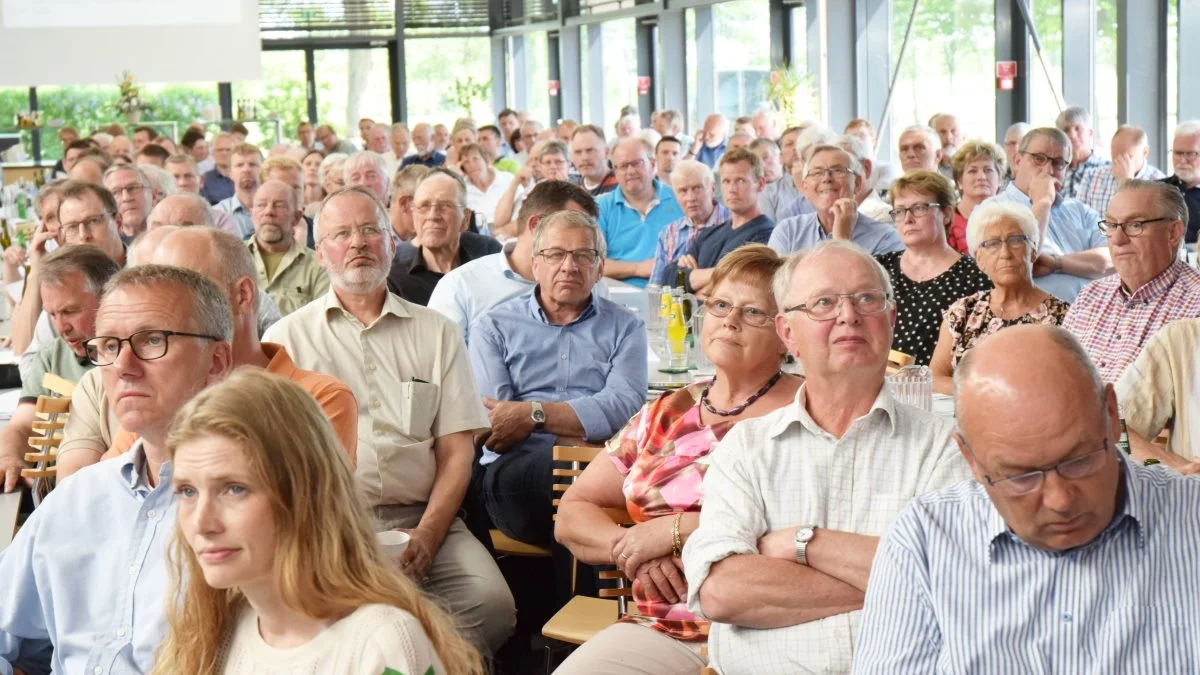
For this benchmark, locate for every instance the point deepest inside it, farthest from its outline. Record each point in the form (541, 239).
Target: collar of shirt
(536, 311)
(418, 261)
(798, 413)
(1015, 192)
(504, 266)
(392, 304)
(661, 192)
(1178, 183)
(1151, 290)
(133, 471)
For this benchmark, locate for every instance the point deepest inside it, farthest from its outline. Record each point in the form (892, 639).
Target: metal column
(499, 76)
(842, 63)
(520, 73)
(1012, 44)
(781, 33)
(310, 86)
(595, 46)
(571, 73)
(707, 102)
(1189, 54)
(644, 37)
(873, 59)
(554, 72)
(399, 83)
(672, 30)
(1142, 70)
(1079, 53)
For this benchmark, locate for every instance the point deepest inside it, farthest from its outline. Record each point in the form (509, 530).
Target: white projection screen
(68, 42)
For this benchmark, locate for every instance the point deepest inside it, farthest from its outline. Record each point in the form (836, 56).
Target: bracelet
(1058, 264)
(676, 545)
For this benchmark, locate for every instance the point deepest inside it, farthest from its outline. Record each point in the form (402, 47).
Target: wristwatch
(803, 536)
(538, 415)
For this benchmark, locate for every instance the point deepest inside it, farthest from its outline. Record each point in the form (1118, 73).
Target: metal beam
(225, 96)
(310, 84)
(842, 65)
(814, 20)
(571, 70)
(553, 72)
(1189, 54)
(520, 74)
(1079, 53)
(873, 64)
(781, 33)
(499, 76)
(1142, 70)
(1012, 44)
(706, 69)
(595, 56)
(644, 38)
(399, 69)
(672, 33)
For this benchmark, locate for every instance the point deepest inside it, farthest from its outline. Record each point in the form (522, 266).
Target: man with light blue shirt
(553, 365)
(633, 215)
(88, 573)
(244, 164)
(471, 289)
(1074, 250)
(1061, 556)
(830, 182)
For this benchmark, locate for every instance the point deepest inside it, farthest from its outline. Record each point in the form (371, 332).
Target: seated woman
(314, 190)
(485, 184)
(657, 467)
(977, 168)
(1002, 237)
(927, 275)
(331, 177)
(275, 568)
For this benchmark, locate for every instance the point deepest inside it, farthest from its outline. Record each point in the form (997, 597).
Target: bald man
(1060, 556)
(1130, 150)
(181, 209)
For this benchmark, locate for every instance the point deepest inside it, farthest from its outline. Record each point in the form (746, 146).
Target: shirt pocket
(418, 404)
(1147, 639)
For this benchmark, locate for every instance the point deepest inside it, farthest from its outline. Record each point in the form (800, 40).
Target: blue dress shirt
(241, 215)
(802, 232)
(710, 156)
(797, 207)
(596, 363)
(1072, 229)
(217, 187)
(630, 236)
(88, 572)
(953, 590)
(433, 160)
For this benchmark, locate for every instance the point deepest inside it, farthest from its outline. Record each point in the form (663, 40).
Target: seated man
(70, 282)
(1114, 316)
(134, 195)
(1130, 150)
(244, 165)
(1157, 390)
(742, 178)
(438, 206)
(1072, 251)
(408, 367)
(404, 183)
(87, 572)
(696, 193)
(599, 384)
(188, 181)
(794, 501)
(287, 270)
(633, 215)
(1061, 556)
(468, 291)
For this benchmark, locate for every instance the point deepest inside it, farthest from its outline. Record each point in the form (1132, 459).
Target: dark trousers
(516, 492)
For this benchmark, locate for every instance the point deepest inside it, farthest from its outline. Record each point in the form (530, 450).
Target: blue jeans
(517, 494)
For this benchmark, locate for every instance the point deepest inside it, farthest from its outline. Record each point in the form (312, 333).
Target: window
(537, 76)
(1044, 106)
(1172, 70)
(692, 114)
(435, 66)
(1105, 122)
(13, 101)
(620, 71)
(352, 84)
(282, 91)
(744, 61)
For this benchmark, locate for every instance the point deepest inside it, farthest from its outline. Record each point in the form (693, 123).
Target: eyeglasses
(1189, 155)
(751, 316)
(343, 236)
(826, 307)
(1013, 242)
(834, 172)
(1032, 481)
(584, 257)
(442, 207)
(132, 188)
(71, 231)
(1133, 228)
(629, 166)
(1057, 163)
(147, 345)
(917, 210)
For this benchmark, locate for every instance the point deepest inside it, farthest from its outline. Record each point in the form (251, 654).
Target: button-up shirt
(409, 371)
(1191, 196)
(596, 363)
(717, 242)
(241, 215)
(782, 470)
(798, 207)
(630, 235)
(954, 590)
(88, 572)
(709, 156)
(412, 280)
(299, 279)
(468, 291)
(1157, 388)
(1072, 229)
(1079, 179)
(777, 196)
(217, 187)
(675, 239)
(1113, 324)
(800, 232)
(1103, 186)
(432, 160)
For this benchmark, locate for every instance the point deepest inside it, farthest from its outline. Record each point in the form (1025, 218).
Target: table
(9, 503)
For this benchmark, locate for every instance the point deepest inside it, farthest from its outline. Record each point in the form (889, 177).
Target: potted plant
(130, 103)
(791, 94)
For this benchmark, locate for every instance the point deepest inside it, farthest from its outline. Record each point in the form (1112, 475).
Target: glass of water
(913, 385)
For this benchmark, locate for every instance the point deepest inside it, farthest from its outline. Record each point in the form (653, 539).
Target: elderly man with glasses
(1115, 316)
(633, 215)
(795, 500)
(1060, 556)
(1185, 159)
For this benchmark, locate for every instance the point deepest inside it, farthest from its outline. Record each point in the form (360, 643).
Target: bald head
(141, 252)
(181, 209)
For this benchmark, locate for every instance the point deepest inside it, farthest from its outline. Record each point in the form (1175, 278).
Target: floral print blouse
(970, 320)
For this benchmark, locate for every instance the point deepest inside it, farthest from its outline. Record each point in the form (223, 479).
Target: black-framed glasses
(1039, 159)
(1133, 228)
(1188, 155)
(1031, 481)
(834, 172)
(825, 307)
(74, 230)
(917, 210)
(751, 316)
(147, 345)
(584, 257)
(1013, 242)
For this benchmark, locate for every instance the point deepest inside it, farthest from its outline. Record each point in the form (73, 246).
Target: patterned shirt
(1105, 183)
(1114, 325)
(970, 320)
(1079, 179)
(1159, 387)
(782, 470)
(953, 590)
(675, 239)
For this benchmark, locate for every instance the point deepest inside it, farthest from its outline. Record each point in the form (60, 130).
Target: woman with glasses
(331, 176)
(977, 168)
(656, 467)
(1000, 235)
(275, 568)
(928, 275)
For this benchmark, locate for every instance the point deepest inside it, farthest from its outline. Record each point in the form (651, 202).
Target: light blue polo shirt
(629, 236)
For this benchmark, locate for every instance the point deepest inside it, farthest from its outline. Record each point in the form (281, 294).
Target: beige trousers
(630, 649)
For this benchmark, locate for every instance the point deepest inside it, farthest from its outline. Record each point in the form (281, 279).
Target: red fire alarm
(1006, 75)
(552, 87)
(643, 85)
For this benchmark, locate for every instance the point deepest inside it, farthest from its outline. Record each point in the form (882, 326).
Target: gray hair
(854, 165)
(1167, 198)
(363, 158)
(332, 162)
(935, 142)
(210, 308)
(555, 147)
(51, 189)
(459, 184)
(812, 137)
(1020, 128)
(772, 146)
(143, 179)
(1072, 116)
(855, 146)
(1052, 134)
(1187, 128)
(690, 168)
(569, 220)
(782, 281)
(91, 263)
(162, 182)
(989, 214)
(200, 204)
(1135, 132)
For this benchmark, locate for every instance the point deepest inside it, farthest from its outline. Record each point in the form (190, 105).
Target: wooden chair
(506, 545)
(897, 360)
(52, 414)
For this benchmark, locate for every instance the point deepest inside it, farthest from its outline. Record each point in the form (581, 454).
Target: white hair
(102, 138)
(855, 146)
(989, 214)
(935, 143)
(1020, 128)
(364, 158)
(332, 162)
(162, 182)
(782, 281)
(813, 136)
(855, 166)
(1187, 128)
(690, 168)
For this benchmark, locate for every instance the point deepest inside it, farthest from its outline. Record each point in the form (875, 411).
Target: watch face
(539, 416)
(804, 534)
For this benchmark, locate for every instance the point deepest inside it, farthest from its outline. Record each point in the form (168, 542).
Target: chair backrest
(897, 360)
(52, 414)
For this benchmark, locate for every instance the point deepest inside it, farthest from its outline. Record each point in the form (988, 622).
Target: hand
(37, 247)
(780, 544)
(525, 175)
(1044, 264)
(1188, 468)
(687, 262)
(418, 557)
(511, 421)
(1042, 189)
(701, 137)
(644, 269)
(642, 542)
(662, 580)
(14, 257)
(1122, 166)
(845, 213)
(10, 472)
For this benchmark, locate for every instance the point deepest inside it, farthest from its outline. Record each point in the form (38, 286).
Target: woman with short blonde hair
(275, 567)
(978, 168)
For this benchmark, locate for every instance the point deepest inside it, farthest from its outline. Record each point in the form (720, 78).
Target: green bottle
(1151, 462)
(1123, 444)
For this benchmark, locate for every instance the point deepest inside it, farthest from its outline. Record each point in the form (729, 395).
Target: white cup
(393, 544)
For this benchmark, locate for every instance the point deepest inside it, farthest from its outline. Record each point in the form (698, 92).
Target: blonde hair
(754, 264)
(924, 182)
(327, 563)
(972, 150)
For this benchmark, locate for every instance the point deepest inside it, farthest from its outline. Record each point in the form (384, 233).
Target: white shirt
(875, 208)
(392, 162)
(782, 470)
(485, 201)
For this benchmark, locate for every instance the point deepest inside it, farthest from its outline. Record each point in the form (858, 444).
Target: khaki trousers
(630, 649)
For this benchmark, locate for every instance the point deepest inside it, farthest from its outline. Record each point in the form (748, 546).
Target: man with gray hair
(710, 141)
(779, 194)
(869, 202)
(162, 335)
(1185, 158)
(1012, 141)
(1130, 151)
(368, 168)
(425, 153)
(404, 183)
(920, 148)
(696, 193)
(1055, 513)
(599, 385)
(1086, 163)
(134, 195)
(399, 144)
(795, 500)
(807, 140)
(286, 269)
(951, 137)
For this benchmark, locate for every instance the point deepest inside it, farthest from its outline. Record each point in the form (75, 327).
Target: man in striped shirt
(1060, 557)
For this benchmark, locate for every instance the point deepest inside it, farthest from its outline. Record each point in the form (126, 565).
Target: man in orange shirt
(224, 259)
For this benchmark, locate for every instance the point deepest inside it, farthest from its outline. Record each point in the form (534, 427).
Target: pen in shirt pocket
(417, 379)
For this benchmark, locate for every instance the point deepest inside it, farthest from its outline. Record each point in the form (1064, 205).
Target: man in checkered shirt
(1086, 163)
(1130, 151)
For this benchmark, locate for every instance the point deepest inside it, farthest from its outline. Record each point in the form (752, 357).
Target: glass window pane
(1105, 123)
(620, 70)
(1047, 17)
(282, 91)
(585, 74)
(537, 74)
(1172, 68)
(693, 73)
(13, 101)
(352, 84)
(745, 56)
(434, 66)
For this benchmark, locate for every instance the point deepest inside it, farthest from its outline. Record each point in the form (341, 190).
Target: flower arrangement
(130, 102)
(29, 120)
(790, 92)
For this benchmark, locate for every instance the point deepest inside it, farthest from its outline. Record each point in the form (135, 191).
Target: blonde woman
(274, 563)
(977, 168)
(331, 176)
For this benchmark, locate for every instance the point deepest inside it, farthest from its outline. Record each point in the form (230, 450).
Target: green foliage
(466, 91)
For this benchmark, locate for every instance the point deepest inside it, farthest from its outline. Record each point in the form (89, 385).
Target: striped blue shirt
(954, 591)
